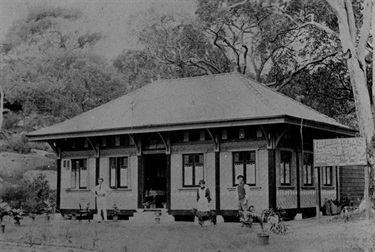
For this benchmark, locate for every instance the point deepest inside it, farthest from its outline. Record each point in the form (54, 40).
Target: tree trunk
(1, 107)
(357, 74)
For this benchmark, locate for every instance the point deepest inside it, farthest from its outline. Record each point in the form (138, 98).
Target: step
(150, 215)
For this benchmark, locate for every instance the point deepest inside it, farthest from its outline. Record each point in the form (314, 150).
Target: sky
(111, 17)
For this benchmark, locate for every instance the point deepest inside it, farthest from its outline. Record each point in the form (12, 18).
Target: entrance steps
(150, 215)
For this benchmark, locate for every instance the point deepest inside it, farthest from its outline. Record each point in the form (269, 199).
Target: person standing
(203, 197)
(101, 191)
(243, 194)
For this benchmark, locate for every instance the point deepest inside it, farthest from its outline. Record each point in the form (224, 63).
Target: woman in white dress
(203, 197)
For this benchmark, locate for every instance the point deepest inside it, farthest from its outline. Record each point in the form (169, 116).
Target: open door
(155, 180)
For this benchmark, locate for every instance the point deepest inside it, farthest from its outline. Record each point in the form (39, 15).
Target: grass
(303, 235)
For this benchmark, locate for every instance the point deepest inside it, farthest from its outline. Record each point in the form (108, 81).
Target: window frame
(77, 173)
(244, 171)
(324, 175)
(118, 172)
(305, 174)
(195, 182)
(283, 172)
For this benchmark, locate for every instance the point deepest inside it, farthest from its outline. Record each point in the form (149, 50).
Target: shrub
(32, 196)
(17, 143)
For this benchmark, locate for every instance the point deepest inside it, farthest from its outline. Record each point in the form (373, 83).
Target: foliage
(35, 196)
(116, 210)
(16, 143)
(180, 47)
(333, 96)
(49, 70)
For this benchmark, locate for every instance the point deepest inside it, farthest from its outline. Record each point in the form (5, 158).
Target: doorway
(155, 180)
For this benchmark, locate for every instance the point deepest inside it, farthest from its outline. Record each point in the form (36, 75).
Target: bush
(17, 143)
(30, 196)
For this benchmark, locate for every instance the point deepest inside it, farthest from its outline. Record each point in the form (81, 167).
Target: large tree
(49, 66)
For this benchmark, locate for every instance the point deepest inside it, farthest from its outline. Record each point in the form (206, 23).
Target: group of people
(101, 191)
(204, 198)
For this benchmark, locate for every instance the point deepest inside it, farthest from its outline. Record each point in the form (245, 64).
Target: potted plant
(157, 217)
(31, 206)
(116, 212)
(263, 236)
(49, 208)
(16, 213)
(4, 210)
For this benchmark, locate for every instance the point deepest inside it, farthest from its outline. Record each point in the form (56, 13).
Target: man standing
(101, 191)
(243, 194)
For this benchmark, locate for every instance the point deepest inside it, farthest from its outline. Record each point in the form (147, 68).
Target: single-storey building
(160, 140)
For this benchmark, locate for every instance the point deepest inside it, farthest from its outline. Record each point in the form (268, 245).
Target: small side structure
(155, 144)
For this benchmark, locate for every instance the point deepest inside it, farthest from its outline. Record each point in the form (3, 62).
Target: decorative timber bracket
(95, 148)
(215, 140)
(56, 149)
(268, 137)
(137, 145)
(167, 143)
(281, 135)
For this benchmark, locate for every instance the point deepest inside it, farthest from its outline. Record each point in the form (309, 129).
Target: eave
(284, 119)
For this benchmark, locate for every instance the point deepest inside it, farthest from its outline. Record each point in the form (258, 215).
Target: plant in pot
(157, 217)
(4, 210)
(116, 212)
(17, 214)
(263, 236)
(31, 206)
(49, 208)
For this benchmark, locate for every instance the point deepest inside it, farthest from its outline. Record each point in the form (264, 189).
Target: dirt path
(303, 235)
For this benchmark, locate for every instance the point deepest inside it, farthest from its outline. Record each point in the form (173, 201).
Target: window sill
(121, 189)
(308, 187)
(77, 190)
(286, 187)
(252, 188)
(328, 187)
(188, 188)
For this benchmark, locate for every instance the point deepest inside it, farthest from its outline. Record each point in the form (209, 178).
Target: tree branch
(364, 33)
(229, 7)
(287, 80)
(351, 20)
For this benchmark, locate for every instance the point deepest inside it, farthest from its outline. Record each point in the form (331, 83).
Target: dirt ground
(302, 235)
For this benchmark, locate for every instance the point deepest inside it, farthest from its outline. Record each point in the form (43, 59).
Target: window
(66, 164)
(79, 175)
(241, 133)
(192, 169)
(118, 172)
(244, 164)
(73, 144)
(224, 135)
(327, 176)
(86, 143)
(104, 141)
(186, 136)
(285, 165)
(202, 136)
(117, 141)
(308, 169)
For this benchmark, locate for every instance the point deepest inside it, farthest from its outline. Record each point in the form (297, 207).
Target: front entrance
(155, 180)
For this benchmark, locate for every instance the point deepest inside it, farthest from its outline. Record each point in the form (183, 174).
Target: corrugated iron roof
(211, 98)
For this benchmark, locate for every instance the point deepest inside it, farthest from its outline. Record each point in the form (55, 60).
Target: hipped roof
(205, 101)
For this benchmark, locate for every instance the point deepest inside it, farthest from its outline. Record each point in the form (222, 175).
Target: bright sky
(111, 17)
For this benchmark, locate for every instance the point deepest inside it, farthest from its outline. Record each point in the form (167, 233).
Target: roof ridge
(194, 77)
(244, 79)
(290, 98)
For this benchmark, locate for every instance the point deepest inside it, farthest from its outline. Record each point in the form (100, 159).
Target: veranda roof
(204, 101)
